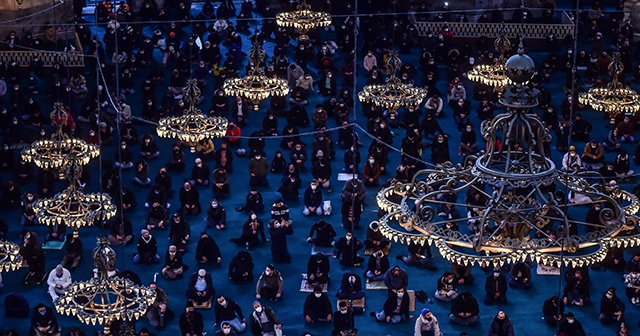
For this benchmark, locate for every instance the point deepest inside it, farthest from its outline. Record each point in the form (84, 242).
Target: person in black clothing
(324, 234)
(216, 215)
(501, 325)
(43, 321)
(416, 256)
(464, 309)
(229, 312)
(241, 267)
(121, 231)
(224, 158)
(199, 173)
(576, 291)
(350, 287)
(173, 266)
(553, 311)
(318, 269)
(278, 231)
(611, 307)
(179, 232)
(496, 288)
(342, 320)
(191, 322)
(147, 249)
(200, 288)
(124, 157)
(73, 251)
(253, 202)
(190, 199)
(347, 247)
(569, 326)
(440, 150)
(317, 307)
(207, 250)
(252, 229)
(396, 307)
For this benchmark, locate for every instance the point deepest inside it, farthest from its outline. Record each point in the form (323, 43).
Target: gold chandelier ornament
(255, 86)
(104, 299)
(525, 215)
(614, 98)
(193, 125)
(73, 208)
(493, 74)
(303, 19)
(393, 94)
(10, 258)
(60, 149)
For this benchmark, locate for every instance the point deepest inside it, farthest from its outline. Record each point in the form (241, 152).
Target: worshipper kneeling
(200, 287)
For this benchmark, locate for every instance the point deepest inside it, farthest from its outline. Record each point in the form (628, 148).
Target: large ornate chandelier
(522, 217)
(493, 74)
(73, 208)
(393, 94)
(10, 258)
(255, 86)
(60, 149)
(104, 299)
(614, 98)
(303, 19)
(193, 125)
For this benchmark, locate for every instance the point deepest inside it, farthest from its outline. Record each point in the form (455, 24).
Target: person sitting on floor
(207, 250)
(395, 308)
(241, 267)
(377, 267)
(270, 284)
(317, 307)
(229, 312)
(464, 310)
(318, 269)
(200, 287)
(446, 288)
(520, 275)
(58, 281)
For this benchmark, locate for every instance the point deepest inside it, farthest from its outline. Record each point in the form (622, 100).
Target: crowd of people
(291, 157)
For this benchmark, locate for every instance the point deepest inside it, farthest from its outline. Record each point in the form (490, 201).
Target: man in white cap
(200, 287)
(58, 281)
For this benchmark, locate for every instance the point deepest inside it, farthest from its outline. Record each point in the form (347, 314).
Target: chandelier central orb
(303, 19)
(511, 197)
(393, 94)
(193, 125)
(104, 299)
(255, 86)
(614, 98)
(60, 149)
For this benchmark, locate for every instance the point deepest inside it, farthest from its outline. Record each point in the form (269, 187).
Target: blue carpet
(524, 307)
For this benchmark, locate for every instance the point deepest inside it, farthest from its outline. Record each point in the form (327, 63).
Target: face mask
(343, 311)
(42, 312)
(15, 122)
(314, 187)
(293, 180)
(226, 331)
(372, 161)
(147, 141)
(270, 117)
(318, 295)
(258, 157)
(570, 320)
(609, 296)
(254, 216)
(400, 295)
(496, 274)
(348, 237)
(42, 133)
(214, 205)
(469, 130)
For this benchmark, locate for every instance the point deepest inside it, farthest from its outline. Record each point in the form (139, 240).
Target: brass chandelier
(523, 217)
(493, 74)
(614, 98)
(73, 208)
(104, 299)
(393, 94)
(10, 258)
(193, 125)
(255, 86)
(303, 19)
(60, 149)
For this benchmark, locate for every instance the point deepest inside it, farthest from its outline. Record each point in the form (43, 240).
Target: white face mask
(343, 311)
(226, 331)
(318, 295)
(570, 321)
(224, 303)
(348, 237)
(609, 296)
(313, 187)
(254, 216)
(496, 274)
(400, 294)
(259, 309)
(372, 161)
(258, 157)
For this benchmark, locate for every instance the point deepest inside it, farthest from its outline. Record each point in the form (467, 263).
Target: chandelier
(72, 207)
(10, 258)
(493, 74)
(614, 98)
(104, 299)
(60, 149)
(524, 216)
(393, 94)
(193, 125)
(303, 19)
(255, 86)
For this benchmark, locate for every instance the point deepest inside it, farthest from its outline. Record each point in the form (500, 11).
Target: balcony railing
(72, 59)
(491, 30)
